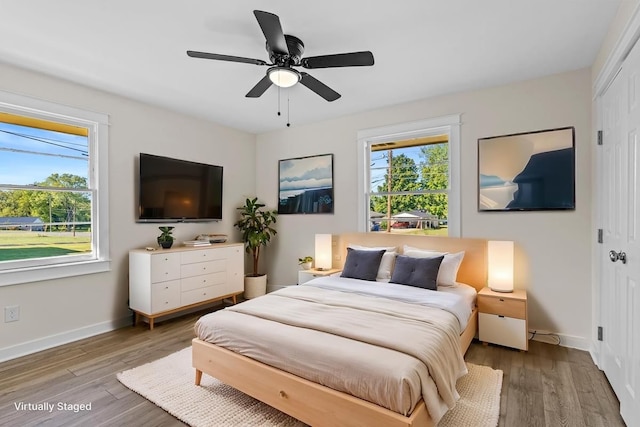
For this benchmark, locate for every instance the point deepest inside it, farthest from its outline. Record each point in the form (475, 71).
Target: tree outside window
(409, 186)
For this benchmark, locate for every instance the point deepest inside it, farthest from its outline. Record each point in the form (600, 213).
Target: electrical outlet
(11, 313)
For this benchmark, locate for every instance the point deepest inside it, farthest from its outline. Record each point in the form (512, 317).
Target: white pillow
(386, 264)
(449, 267)
(407, 248)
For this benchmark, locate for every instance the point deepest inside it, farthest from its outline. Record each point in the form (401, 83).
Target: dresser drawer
(165, 296)
(197, 282)
(200, 268)
(165, 267)
(198, 295)
(502, 306)
(201, 255)
(501, 330)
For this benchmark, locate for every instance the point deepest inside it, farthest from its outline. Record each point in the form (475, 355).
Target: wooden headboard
(473, 270)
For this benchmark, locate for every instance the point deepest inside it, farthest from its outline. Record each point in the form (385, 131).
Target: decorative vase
(165, 244)
(306, 266)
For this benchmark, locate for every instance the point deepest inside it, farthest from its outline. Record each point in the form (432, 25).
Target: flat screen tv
(527, 171)
(172, 190)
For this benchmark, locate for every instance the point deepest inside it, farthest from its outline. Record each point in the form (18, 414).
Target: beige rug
(168, 382)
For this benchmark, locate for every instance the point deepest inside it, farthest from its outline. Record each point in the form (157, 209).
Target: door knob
(615, 256)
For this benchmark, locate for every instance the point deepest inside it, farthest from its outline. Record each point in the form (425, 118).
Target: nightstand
(502, 318)
(306, 275)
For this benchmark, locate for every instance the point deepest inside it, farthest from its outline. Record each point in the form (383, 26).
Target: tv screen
(172, 190)
(527, 171)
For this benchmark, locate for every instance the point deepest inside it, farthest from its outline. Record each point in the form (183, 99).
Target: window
(53, 190)
(409, 178)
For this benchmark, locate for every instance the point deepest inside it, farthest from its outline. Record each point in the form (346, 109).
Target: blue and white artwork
(306, 185)
(527, 171)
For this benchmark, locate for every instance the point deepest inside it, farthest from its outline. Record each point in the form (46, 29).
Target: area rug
(169, 383)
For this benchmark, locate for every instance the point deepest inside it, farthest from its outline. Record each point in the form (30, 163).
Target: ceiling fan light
(283, 77)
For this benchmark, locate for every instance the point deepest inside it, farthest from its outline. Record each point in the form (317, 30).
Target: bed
(291, 379)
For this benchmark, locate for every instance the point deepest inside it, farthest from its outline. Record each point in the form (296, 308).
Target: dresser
(502, 318)
(167, 281)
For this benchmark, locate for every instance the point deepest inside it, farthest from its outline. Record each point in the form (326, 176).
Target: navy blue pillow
(362, 264)
(418, 272)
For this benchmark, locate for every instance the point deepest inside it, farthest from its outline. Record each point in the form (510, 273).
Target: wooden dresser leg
(198, 376)
(151, 323)
(136, 319)
(485, 343)
(234, 299)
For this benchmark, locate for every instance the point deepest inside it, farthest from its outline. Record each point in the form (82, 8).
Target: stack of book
(196, 243)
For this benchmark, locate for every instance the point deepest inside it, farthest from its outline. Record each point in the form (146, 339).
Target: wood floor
(547, 386)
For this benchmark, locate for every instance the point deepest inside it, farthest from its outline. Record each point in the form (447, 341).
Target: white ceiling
(422, 48)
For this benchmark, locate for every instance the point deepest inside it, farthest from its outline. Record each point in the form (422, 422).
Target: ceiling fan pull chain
(278, 100)
(288, 121)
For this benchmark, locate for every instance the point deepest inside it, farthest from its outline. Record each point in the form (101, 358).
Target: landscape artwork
(527, 171)
(306, 185)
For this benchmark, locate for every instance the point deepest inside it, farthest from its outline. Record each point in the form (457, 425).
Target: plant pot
(255, 286)
(306, 266)
(165, 244)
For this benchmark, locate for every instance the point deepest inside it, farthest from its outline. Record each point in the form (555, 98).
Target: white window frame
(98, 124)
(449, 125)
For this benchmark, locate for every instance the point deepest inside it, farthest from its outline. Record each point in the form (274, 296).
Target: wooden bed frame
(318, 405)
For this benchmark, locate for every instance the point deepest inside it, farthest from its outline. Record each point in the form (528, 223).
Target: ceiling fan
(285, 52)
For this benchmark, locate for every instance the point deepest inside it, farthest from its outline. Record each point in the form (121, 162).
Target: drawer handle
(283, 394)
(502, 299)
(166, 259)
(166, 287)
(500, 315)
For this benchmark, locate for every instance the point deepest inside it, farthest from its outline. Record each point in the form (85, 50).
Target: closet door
(620, 281)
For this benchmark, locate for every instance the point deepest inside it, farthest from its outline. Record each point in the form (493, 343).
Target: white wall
(552, 248)
(65, 309)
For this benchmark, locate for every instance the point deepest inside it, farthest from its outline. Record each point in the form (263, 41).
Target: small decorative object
(305, 262)
(255, 226)
(165, 239)
(306, 185)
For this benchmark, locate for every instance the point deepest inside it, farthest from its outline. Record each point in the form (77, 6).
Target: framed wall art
(527, 171)
(306, 185)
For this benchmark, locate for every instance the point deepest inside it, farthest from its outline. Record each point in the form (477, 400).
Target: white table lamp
(500, 266)
(323, 252)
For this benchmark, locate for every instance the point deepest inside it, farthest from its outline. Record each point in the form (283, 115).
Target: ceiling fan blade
(272, 31)
(229, 58)
(353, 59)
(259, 88)
(318, 87)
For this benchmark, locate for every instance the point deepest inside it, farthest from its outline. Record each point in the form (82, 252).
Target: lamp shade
(500, 266)
(323, 251)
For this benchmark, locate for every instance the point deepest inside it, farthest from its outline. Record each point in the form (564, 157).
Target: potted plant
(255, 224)
(165, 239)
(305, 262)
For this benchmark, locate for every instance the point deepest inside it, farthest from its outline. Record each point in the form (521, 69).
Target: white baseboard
(570, 341)
(51, 341)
